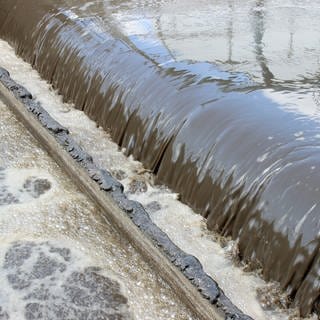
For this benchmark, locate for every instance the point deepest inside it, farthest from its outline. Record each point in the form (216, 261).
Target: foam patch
(20, 186)
(47, 281)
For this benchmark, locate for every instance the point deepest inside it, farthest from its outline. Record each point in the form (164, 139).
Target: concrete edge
(182, 271)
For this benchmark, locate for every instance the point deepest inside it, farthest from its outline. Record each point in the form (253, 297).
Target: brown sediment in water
(203, 140)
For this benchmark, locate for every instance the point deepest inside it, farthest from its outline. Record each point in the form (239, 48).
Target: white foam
(43, 274)
(22, 184)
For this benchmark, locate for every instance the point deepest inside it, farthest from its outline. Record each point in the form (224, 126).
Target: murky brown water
(219, 99)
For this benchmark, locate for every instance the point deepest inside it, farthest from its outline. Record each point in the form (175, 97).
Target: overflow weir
(183, 272)
(249, 166)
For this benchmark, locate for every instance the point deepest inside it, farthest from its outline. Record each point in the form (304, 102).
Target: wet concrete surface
(242, 149)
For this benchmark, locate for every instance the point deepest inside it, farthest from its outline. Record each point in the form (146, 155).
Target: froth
(44, 280)
(23, 185)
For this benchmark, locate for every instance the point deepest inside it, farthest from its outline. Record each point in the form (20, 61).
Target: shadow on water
(221, 137)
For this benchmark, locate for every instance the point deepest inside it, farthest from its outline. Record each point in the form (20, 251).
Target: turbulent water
(59, 257)
(234, 130)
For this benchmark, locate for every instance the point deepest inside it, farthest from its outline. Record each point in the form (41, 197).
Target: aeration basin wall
(234, 156)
